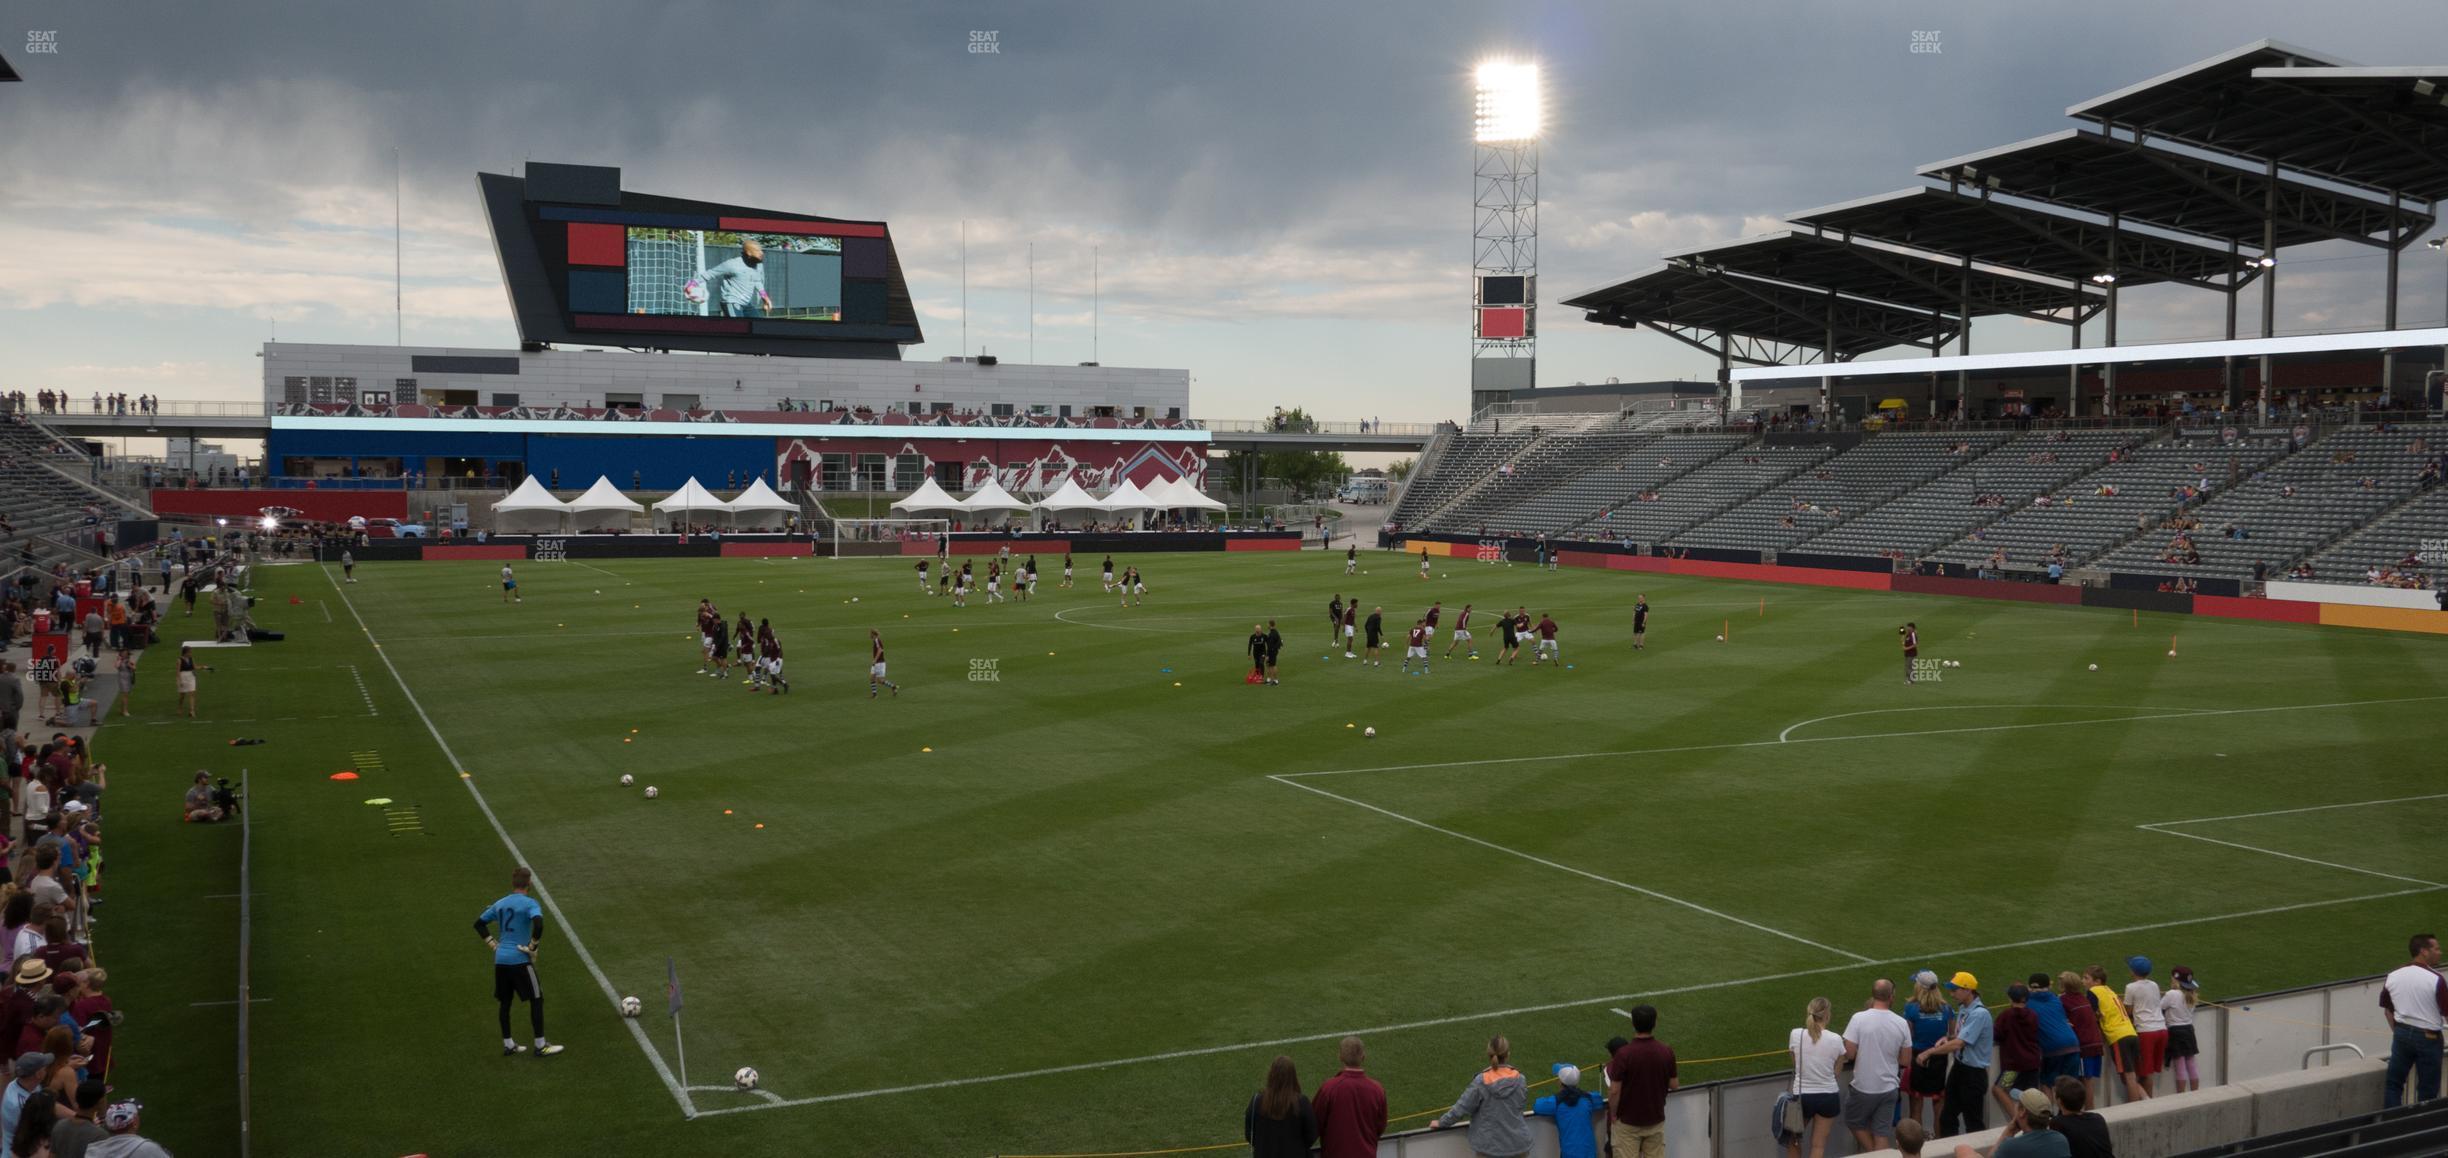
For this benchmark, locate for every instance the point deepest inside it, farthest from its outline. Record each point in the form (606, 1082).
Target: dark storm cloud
(1242, 161)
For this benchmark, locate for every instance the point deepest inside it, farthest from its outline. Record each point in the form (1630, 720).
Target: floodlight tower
(1509, 110)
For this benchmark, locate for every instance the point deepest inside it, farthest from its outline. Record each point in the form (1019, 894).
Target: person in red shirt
(1461, 633)
(1912, 648)
(1350, 1108)
(1642, 1073)
(1548, 652)
(1418, 648)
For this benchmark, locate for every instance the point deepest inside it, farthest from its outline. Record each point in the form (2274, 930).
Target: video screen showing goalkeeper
(738, 285)
(734, 275)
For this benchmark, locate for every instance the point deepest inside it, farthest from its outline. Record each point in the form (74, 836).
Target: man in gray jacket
(121, 1119)
(1494, 1102)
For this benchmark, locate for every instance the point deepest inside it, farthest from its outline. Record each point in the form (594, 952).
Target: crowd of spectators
(1906, 1067)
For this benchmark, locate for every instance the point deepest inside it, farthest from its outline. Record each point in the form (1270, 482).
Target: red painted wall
(1987, 589)
(326, 506)
(2271, 610)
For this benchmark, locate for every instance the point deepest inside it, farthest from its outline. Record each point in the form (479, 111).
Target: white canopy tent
(1127, 501)
(991, 499)
(928, 497)
(528, 510)
(761, 499)
(691, 502)
(601, 507)
(1178, 494)
(1067, 498)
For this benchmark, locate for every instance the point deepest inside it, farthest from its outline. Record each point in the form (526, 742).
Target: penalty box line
(1549, 1007)
(688, 1108)
(1585, 874)
(2168, 828)
(2183, 714)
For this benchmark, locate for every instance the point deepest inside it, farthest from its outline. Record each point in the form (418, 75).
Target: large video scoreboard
(587, 262)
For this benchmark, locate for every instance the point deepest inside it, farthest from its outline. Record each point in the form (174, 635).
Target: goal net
(865, 536)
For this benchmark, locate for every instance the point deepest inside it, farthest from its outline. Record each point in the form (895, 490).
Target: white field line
(687, 1108)
(2288, 856)
(1785, 736)
(1551, 1007)
(325, 606)
(2186, 714)
(2293, 811)
(597, 570)
(1582, 873)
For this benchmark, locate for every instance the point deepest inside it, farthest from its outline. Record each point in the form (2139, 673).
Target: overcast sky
(1280, 192)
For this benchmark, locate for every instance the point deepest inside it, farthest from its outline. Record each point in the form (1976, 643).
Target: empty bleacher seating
(2291, 509)
(1949, 506)
(2109, 505)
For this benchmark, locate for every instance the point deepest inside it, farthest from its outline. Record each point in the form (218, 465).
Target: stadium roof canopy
(1987, 228)
(2192, 191)
(1761, 321)
(1903, 277)
(2383, 129)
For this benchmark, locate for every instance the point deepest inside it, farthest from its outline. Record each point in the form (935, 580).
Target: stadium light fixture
(2266, 262)
(1509, 105)
(2437, 243)
(2104, 278)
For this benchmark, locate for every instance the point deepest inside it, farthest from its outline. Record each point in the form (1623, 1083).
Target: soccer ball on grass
(627, 780)
(652, 792)
(2095, 667)
(746, 1078)
(1370, 733)
(630, 1007)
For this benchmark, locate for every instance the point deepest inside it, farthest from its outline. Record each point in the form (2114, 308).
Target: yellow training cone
(926, 749)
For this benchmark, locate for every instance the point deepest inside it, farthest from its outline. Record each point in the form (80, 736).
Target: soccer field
(1077, 906)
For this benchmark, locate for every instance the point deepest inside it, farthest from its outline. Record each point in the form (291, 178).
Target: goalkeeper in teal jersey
(514, 975)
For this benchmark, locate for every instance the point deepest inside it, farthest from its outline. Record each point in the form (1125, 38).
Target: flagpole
(680, 1046)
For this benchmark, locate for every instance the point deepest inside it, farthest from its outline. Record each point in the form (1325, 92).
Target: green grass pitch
(1111, 892)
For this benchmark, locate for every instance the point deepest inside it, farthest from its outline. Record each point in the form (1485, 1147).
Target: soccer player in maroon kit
(1419, 647)
(1461, 634)
(1547, 649)
(875, 666)
(746, 634)
(1912, 648)
(1436, 610)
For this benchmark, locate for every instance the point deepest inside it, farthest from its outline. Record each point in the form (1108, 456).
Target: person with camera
(205, 801)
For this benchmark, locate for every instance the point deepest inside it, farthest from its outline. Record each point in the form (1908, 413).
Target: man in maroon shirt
(1350, 1108)
(1642, 1074)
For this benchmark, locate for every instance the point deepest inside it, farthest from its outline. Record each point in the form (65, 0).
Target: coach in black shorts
(1376, 634)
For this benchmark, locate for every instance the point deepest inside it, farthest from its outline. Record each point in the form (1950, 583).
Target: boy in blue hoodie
(1575, 1111)
(2060, 1050)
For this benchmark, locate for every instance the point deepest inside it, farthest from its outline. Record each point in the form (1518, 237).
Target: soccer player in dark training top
(1274, 650)
(514, 975)
(1376, 637)
(1334, 620)
(1640, 622)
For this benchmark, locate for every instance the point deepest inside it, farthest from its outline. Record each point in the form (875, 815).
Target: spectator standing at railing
(1279, 1122)
(1493, 1102)
(2413, 999)
(1350, 1107)
(1641, 1073)
(1970, 1044)
(1575, 1111)
(1878, 1041)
